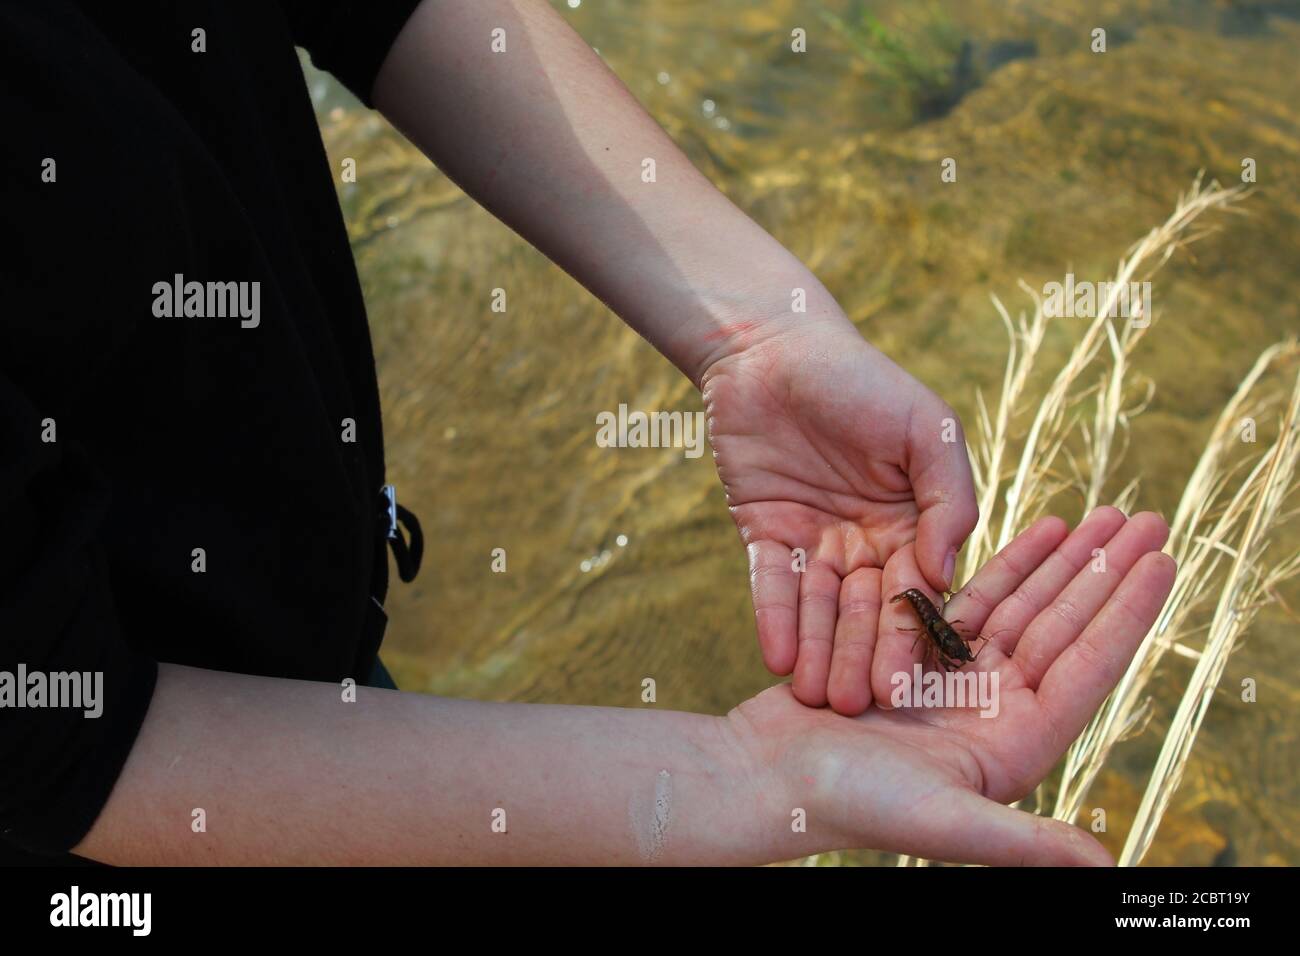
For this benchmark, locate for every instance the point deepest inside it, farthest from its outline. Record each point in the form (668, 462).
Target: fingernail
(949, 567)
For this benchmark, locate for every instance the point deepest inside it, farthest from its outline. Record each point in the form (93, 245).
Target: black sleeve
(348, 38)
(56, 616)
(57, 765)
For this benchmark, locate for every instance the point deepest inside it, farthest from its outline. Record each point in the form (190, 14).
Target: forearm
(286, 772)
(550, 141)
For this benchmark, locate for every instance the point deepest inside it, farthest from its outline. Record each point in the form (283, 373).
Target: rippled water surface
(625, 565)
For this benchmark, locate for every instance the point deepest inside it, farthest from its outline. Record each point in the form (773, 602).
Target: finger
(967, 828)
(849, 688)
(819, 598)
(900, 642)
(939, 470)
(774, 585)
(1085, 672)
(1033, 596)
(1053, 630)
(1003, 573)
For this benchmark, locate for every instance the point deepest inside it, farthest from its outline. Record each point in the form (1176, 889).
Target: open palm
(833, 460)
(934, 781)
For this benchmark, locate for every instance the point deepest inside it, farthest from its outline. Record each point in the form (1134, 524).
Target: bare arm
(824, 445)
(287, 773)
(548, 139)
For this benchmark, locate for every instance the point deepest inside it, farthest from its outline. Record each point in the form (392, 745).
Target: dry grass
(1033, 448)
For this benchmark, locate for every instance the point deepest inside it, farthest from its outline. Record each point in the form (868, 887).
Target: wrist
(776, 806)
(734, 323)
(754, 808)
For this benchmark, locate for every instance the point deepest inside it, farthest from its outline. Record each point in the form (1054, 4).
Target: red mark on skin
(808, 780)
(736, 329)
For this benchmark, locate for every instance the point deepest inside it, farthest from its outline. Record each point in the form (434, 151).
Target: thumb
(974, 829)
(939, 471)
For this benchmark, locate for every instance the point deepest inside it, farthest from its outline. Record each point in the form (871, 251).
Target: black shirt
(176, 488)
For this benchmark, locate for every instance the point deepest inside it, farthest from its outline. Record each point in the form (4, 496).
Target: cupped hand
(1064, 616)
(834, 460)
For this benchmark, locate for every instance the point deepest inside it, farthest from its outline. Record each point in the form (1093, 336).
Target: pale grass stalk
(1199, 544)
(1050, 426)
(1035, 480)
(1031, 484)
(1246, 588)
(1024, 339)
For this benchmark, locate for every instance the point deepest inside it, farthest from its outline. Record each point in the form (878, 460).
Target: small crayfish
(950, 647)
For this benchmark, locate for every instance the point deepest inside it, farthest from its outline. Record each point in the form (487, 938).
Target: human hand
(823, 444)
(934, 781)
